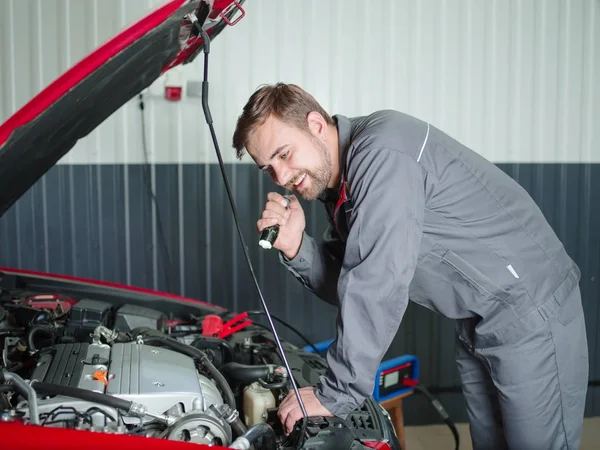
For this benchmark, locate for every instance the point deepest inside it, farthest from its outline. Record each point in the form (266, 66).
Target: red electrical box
(173, 93)
(174, 85)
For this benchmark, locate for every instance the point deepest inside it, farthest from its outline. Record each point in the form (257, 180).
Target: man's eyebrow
(275, 153)
(278, 150)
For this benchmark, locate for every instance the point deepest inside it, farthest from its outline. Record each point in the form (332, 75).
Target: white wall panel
(516, 80)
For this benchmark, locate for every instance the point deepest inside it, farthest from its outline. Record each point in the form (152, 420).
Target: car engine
(104, 365)
(158, 378)
(138, 381)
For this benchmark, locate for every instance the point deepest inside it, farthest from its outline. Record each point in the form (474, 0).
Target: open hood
(49, 125)
(93, 364)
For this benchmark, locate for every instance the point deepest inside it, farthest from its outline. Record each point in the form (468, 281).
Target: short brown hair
(287, 102)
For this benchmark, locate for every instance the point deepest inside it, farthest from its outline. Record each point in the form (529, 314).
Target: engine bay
(103, 361)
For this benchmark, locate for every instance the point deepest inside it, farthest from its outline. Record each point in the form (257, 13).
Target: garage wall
(517, 81)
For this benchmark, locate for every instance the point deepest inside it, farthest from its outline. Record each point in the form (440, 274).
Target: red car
(90, 364)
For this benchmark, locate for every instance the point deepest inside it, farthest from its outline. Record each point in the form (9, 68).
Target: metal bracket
(227, 21)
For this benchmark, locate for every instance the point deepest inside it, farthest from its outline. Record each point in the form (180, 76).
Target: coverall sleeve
(317, 265)
(387, 189)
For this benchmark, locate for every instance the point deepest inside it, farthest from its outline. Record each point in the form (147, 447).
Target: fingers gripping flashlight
(269, 234)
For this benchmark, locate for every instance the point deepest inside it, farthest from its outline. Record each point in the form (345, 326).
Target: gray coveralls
(429, 220)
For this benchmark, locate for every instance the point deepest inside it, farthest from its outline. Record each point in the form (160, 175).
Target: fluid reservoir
(257, 400)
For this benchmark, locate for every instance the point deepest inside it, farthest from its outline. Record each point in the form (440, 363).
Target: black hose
(442, 412)
(177, 346)
(261, 430)
(245, 372)
(238, 427)
(101, 411)
(201, 357)
(220, 379)
(276, 385)
(200, 342)
(144, 331)
(82, 394)
(287, 325)
(33, 332)
(232, 417)
(205, 342)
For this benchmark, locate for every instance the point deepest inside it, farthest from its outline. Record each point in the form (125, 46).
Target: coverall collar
(344, 134)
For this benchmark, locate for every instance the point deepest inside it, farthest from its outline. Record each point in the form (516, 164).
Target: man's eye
(284, 155)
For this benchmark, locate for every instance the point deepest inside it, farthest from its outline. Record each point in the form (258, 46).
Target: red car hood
(46, 128)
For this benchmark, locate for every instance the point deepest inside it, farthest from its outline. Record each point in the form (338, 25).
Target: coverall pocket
(571, 308)
(474, 276)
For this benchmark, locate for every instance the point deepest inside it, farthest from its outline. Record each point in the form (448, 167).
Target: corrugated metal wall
(516, 80)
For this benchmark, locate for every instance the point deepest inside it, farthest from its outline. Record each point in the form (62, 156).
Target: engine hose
(232, 417)
(82, 394)
(255, 432)
(33, 332)
(207, 342)
(220, 379)
(200, 342)
(26, 391)
(177, 346)
(245, 372)
(144, 331)
(201, 357)
(276, 385)
(238, 427)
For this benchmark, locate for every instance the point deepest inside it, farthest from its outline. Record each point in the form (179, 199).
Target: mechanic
(416, 215)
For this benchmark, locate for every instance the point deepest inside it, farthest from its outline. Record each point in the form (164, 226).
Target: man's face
(296, 160)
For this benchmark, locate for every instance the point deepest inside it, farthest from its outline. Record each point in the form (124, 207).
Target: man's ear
(317, 125)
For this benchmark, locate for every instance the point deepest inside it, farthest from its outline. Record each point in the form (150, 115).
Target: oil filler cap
(96, 359)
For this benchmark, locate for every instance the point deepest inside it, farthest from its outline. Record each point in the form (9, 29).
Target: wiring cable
(287, 325)
(442, 412)
(208, 118)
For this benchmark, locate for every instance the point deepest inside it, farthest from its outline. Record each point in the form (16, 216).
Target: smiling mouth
(298, 183)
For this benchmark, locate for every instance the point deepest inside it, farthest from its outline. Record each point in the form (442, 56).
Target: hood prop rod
(208, 117)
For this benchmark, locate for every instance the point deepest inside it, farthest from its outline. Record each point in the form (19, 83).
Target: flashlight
(269, 234)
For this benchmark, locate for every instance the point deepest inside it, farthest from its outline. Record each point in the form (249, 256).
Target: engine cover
(155, 377)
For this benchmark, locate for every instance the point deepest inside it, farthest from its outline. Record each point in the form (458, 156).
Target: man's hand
(290, 412)
(291, 223)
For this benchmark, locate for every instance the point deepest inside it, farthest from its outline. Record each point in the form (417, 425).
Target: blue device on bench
(394, 376)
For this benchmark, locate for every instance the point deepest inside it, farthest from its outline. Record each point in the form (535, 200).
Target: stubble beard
(319, 178)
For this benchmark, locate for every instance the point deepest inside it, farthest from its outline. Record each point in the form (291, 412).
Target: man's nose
(282, 175)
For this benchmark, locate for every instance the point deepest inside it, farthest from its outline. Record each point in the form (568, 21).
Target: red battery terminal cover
(213, 325)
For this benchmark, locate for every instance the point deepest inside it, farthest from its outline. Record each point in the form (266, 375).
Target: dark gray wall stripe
(77, 224)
